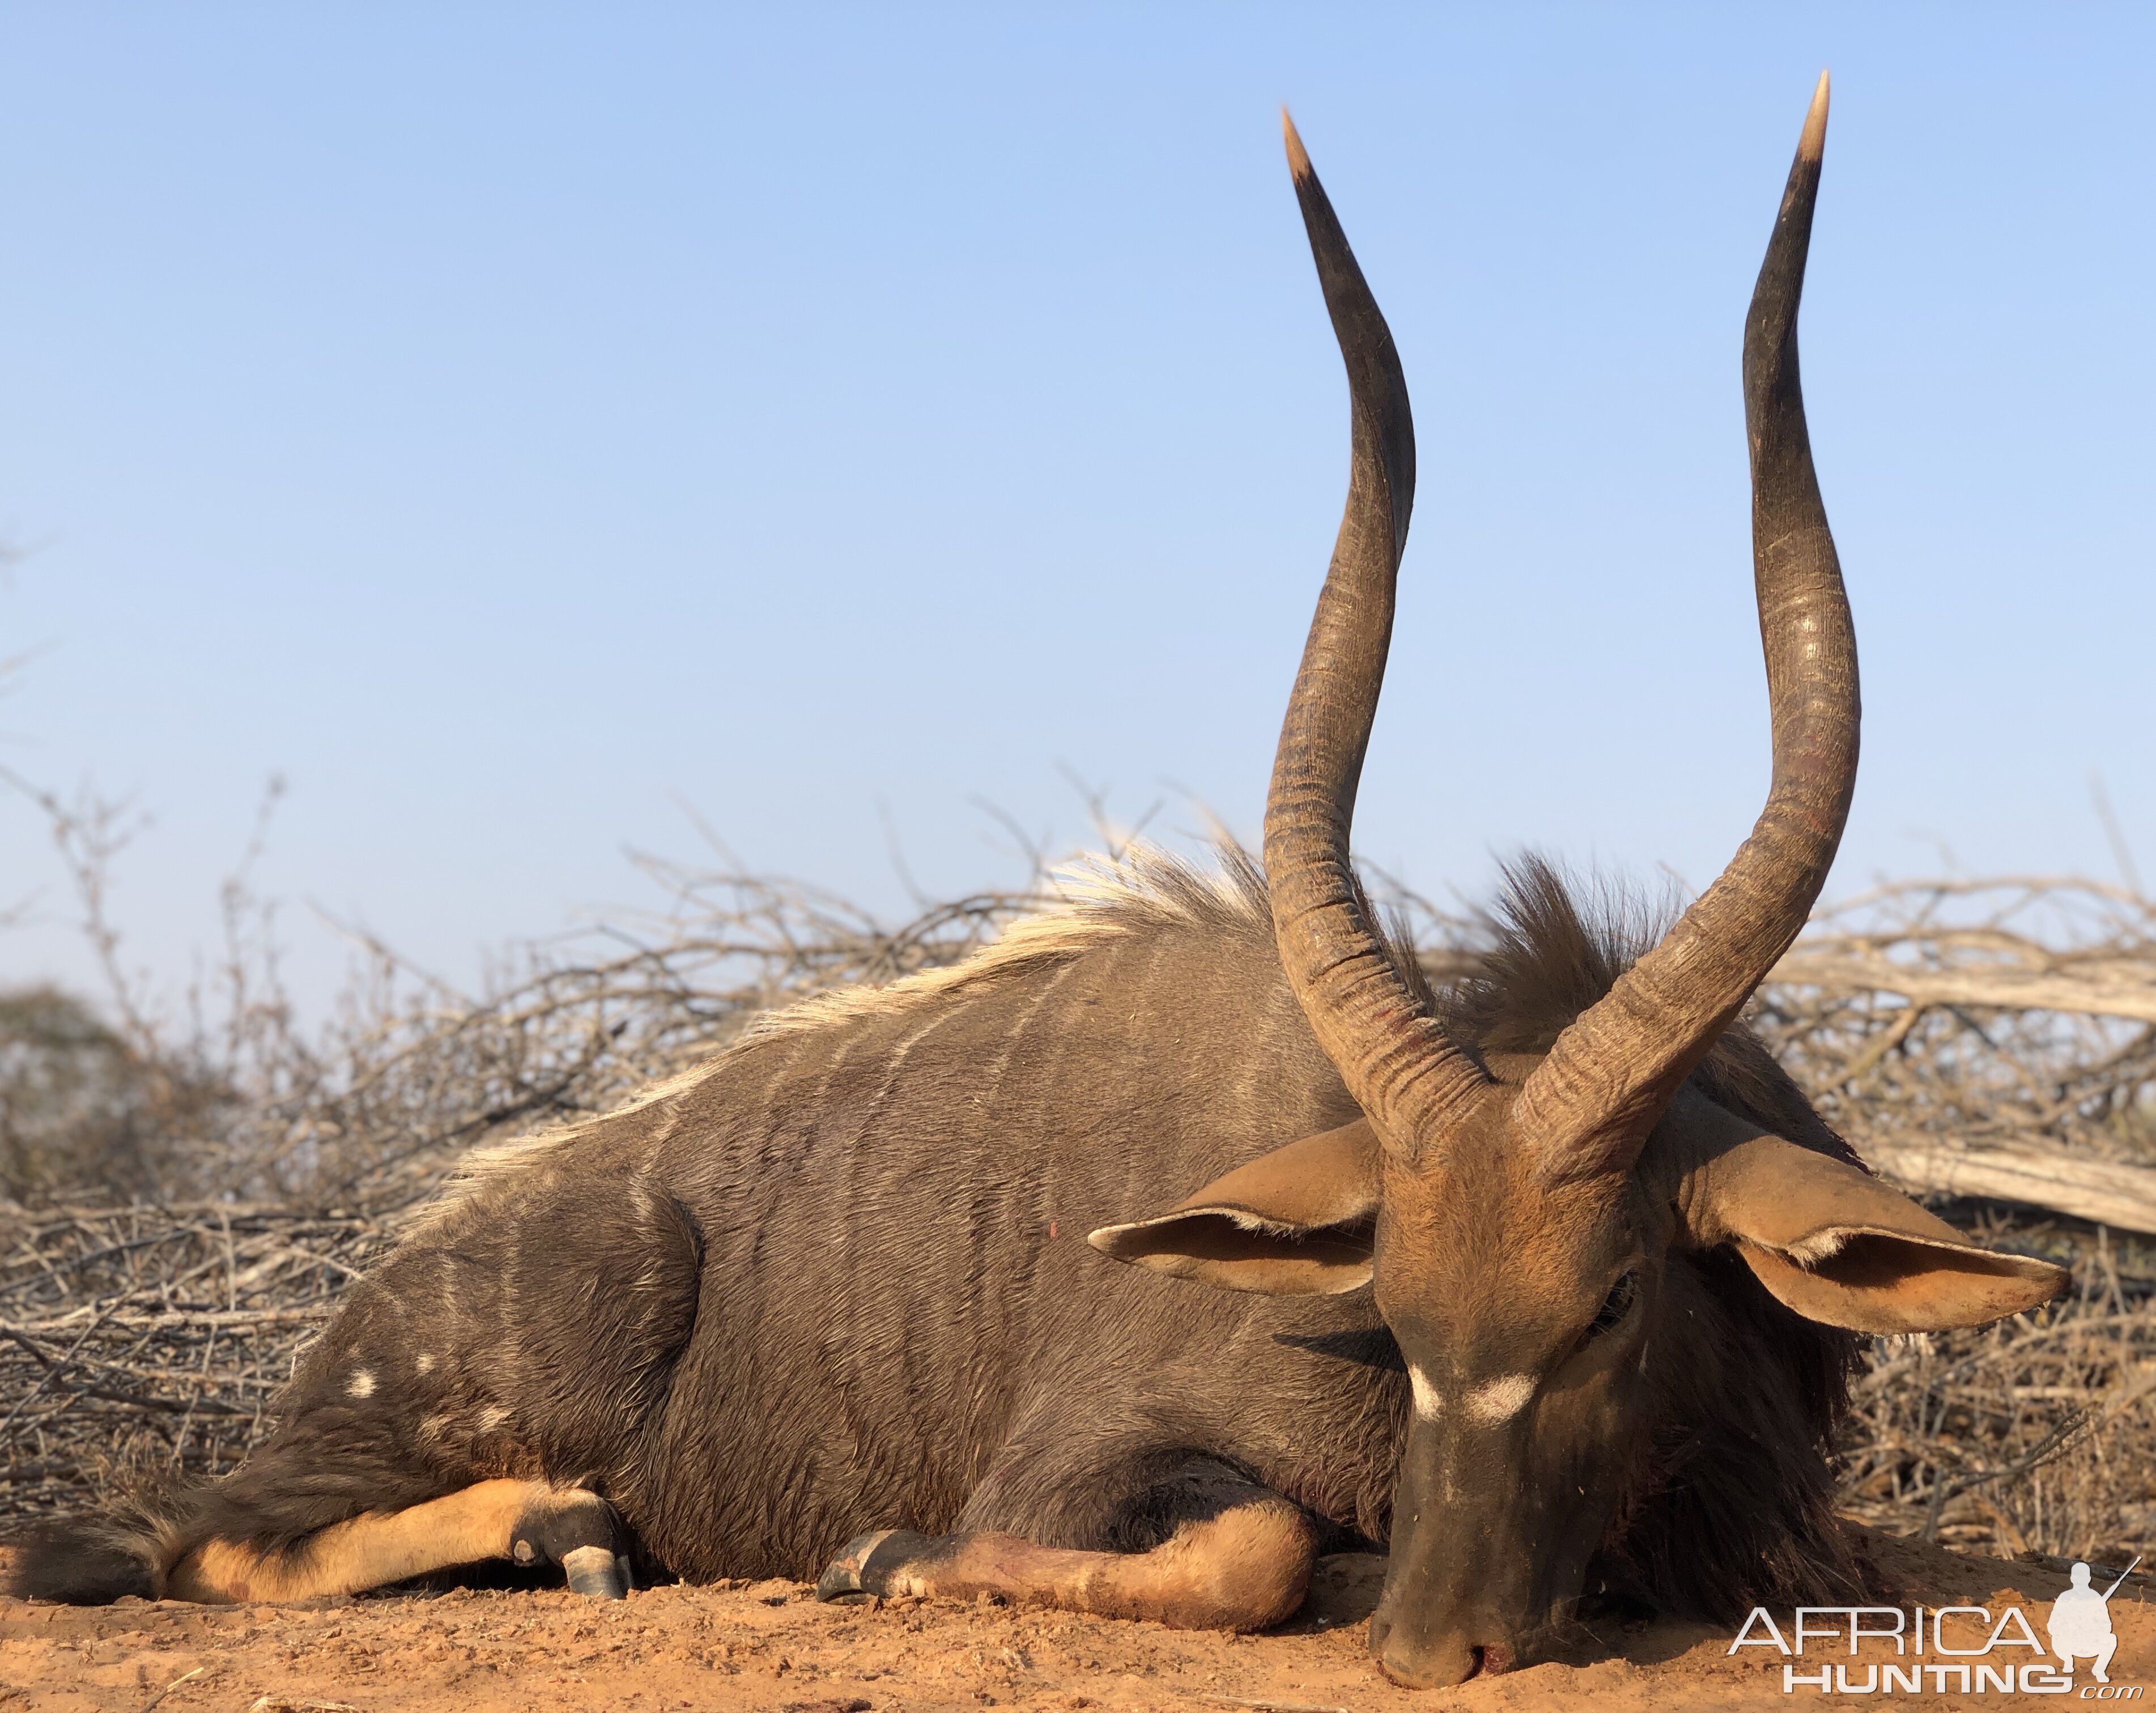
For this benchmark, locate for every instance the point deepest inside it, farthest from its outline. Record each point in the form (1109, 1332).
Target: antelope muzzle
(1487, 1561)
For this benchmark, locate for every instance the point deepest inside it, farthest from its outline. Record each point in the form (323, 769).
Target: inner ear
(1296, 1222)
(1839, 1246)
(1886, 1281)
(1226, 1247)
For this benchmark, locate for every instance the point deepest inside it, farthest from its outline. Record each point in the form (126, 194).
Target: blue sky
(514, 424)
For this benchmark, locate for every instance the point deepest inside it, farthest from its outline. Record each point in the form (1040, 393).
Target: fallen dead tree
(2101, 1191)
(1993, 1039)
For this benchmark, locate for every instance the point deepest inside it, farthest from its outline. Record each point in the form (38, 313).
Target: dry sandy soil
(769, 1646)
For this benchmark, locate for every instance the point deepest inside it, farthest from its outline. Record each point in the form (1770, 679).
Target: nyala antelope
(1545, 1283)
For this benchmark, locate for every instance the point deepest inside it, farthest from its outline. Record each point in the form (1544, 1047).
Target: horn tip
(1298, 157)
(1812, 145)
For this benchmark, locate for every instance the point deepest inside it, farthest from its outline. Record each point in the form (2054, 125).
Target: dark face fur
(1523, 1314)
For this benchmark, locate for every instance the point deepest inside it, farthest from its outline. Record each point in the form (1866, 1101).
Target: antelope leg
(1243, 1567)
(528, 1522)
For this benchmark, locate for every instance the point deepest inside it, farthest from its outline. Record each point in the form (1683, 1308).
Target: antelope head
(1515, 1215)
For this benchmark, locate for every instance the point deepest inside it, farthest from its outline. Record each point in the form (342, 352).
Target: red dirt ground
(768, 1647)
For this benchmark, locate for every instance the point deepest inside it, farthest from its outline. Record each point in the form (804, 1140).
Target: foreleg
(1231, 1557)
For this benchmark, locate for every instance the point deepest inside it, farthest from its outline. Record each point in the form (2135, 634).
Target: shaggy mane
(1547, 959)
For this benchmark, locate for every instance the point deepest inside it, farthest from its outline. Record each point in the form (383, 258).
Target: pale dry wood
(2126, 990)
(1984, 1038)
(2099, 1191)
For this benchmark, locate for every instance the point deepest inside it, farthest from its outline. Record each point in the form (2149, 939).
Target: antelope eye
(1614, 1307)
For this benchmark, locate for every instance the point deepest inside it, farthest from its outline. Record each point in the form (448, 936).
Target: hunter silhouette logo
(1958, 1649)
(2080, 1626)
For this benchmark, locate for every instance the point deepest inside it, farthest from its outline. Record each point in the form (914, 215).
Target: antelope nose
(1439, 1662)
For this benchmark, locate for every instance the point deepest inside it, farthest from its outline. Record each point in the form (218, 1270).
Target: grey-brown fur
(838, 1280)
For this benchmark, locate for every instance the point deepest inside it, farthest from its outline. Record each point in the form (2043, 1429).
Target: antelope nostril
(1441, 1663)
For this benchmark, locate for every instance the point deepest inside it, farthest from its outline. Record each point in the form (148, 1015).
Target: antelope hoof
(873, 1564)
(596, 1574)
(579, 1531)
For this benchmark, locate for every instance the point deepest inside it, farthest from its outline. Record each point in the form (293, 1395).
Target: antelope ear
(1840, 1247)
(1295, 1223)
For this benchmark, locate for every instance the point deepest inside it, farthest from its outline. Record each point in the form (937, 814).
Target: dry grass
(269, 1166)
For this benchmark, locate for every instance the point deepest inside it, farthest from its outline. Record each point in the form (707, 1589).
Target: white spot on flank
(492, 1417)
(426, 1362)
(1428, 1399)
(1498, 1400)
(362, 1384)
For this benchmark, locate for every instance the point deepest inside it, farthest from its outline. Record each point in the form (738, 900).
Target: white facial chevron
(1496, 1400)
